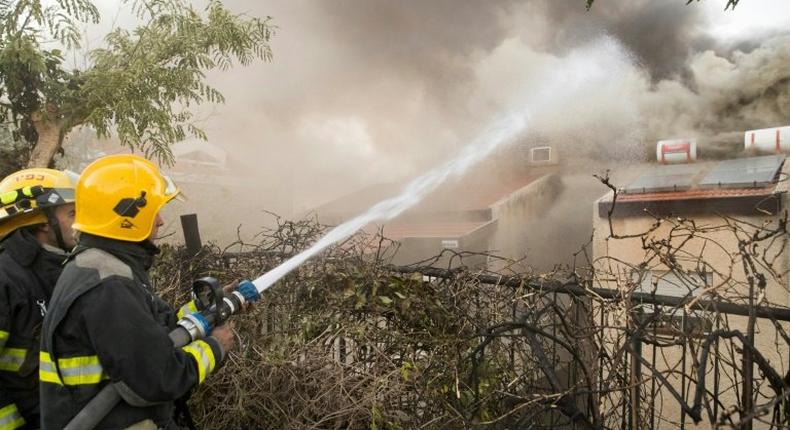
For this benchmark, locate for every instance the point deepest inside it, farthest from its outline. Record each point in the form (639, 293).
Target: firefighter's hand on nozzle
(233, 286)
(224, 335)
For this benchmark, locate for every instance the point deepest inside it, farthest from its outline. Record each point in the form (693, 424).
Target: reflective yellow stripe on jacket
(11, 359)
(11, 362)
(75, 370)
(189, 308)
(204, 356)
(10, 418)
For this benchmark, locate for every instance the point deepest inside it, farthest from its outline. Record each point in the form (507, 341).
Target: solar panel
(754, 172)
(674, 177)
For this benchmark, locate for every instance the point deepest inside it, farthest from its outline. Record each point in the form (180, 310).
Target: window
(541, 154)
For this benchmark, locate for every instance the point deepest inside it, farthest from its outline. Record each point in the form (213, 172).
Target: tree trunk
(50, 136)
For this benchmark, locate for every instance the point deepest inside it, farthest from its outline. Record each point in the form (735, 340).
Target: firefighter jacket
(28, 273)
(106, 326)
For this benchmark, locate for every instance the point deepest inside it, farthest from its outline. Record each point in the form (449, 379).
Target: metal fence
(495, 351)
(670, 367)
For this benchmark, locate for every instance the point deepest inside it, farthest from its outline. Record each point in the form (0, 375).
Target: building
(477, 213)
(231, 198)
(671, 230)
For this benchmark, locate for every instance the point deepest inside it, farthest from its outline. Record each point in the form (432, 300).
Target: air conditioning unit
(542, 155)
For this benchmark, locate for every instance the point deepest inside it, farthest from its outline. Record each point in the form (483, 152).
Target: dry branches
(348, 341)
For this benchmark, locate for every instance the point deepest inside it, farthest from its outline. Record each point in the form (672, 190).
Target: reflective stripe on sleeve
(187, 309)
(204, 357)
(46, 369)
(74, 370)
(10, 418)
(11, 359)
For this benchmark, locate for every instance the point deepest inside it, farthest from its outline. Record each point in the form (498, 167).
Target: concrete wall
(515, 212)
(415, 249)
(715, 245)
(504, 235)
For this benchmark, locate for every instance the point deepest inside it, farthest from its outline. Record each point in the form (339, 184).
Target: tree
(730, 3)
(13, 154)
(140, 85)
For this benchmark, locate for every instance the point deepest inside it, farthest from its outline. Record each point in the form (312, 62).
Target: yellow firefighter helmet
(25, 195)
(119, 196)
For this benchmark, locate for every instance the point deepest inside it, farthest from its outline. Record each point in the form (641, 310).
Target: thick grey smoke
(375, 91)
(364, 92)
(661, 34)
(734, 93)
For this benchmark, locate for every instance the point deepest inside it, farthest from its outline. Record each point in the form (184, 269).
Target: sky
(751, 17)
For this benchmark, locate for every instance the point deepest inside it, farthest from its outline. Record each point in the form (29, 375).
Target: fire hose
(215, 306)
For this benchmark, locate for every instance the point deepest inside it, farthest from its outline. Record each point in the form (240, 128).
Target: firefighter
(105, 325)
(36, 213)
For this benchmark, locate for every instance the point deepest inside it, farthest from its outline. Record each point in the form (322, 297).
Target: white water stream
(596, 64)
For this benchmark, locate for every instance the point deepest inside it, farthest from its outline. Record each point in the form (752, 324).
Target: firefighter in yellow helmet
(36, 213)
(105, 324)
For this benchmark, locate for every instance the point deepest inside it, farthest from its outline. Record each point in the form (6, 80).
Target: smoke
(362, 92)
(378, 91)
(370, 92)
(374, 91)
(662, 35)
(694, 84)
(734, 93)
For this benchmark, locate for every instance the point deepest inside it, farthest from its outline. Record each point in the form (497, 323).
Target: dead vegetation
(348, 341)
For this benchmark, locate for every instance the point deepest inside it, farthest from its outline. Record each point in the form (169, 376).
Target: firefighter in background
(105, 325)
(36, 213)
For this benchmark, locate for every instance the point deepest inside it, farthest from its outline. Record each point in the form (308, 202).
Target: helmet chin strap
(55, 225)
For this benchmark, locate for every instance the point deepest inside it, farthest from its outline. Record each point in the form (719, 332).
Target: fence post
(636, 369)
(189, 225)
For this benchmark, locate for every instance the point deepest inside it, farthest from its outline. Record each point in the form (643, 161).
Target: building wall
(516, 214)
(615, 260)
(417, 249)
(504, 235)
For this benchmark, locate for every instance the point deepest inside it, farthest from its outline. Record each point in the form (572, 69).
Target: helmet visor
(60, 196)
(73, 176)
(172, 191)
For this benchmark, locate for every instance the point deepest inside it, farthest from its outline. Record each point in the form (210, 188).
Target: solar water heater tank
(674, 151)
(768, 140)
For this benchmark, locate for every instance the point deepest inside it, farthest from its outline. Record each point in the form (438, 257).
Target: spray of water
(598, 63)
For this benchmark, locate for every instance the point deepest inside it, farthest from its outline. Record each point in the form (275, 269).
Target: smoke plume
(376, 91)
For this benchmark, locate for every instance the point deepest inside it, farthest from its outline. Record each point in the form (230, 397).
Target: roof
(355, 203)
(474, 192)
(465, 199)
(199, 151)
(696, 194)
(457, 209)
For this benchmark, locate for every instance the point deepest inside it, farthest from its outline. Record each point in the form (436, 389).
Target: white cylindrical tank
(674, 151)
(768, 140)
